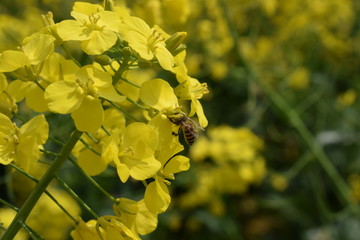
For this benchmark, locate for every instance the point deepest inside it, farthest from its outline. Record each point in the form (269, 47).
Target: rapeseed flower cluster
(228, 161)
(124, 112)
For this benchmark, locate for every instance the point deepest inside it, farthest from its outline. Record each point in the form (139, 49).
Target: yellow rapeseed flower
(147, 42)
(133, 152)
(92, 163)
(22, 145)
(7, 102)
(191, 89)
(81, 97)
(136, 216)
(36, 49)
(87, 231)
(54, 68)
(114, 229)
(94, 27)
(157, 197)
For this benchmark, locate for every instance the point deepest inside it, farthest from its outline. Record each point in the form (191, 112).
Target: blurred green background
(280, 158)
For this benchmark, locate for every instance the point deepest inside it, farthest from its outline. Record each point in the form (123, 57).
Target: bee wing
(195, 124)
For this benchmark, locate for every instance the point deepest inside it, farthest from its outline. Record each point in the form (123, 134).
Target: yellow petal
(141, 169)
(39, 48)
(5, 124)
(86, 231)
(109, 20)
(168, 144)
(200, 113)
(165, 58)
(3, 82)
(110, 146)
(17, 89)
(86, 8)
(12, 60)
(37, 127)
(99, 78)
(7, 105)
(158, 94)
(35, 99)
(114, 120)
(136, 32)
(141, 138)
(109, 93)
(138, 25)
(123, 172)
(99, 42)
(177, 164)
(146, 221)
(72, 30)
(6, 149)
(89, 116)
(64, 96)
(91, 163)
(157, 197)
(27, 153)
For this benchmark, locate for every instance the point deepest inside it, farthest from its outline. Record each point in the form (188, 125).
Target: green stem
(105, 130)
(294, 119)
(312, 144)
(32, 233)
(19, 117)
(56, 141)
(92, 138)
(46, 191)
(49, 152)
(123, 67)
(8, 205)
(132, 101)
(299, 165)
(101, 189)
(89, 147)
(123, 111)
(74, 195)
(144, 183)
(39, 85)
(40, 187)
(129, 82)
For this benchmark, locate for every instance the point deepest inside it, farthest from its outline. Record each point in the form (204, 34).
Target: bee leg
(176, 134)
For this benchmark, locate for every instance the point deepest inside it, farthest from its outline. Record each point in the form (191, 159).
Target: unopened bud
(127, 52)
(48, 19)
(175, 41)
(179, 49)
(103, 60)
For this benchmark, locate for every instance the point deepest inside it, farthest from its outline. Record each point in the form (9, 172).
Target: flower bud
(175, 41)
(103, 60)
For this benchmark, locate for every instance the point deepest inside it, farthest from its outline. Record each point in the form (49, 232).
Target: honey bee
(188, 126)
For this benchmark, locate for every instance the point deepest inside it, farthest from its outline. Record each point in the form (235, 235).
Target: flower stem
(132, 101)
(77, 198)
(46, 191)
(2, 201)
(124, 112)
(89, 147)
(101, 189)
(40, 187)
(32, 233)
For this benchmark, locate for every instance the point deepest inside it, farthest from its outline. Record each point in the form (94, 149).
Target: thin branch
(74, 195)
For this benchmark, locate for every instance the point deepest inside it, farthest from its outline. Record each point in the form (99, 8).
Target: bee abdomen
(190, 136)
